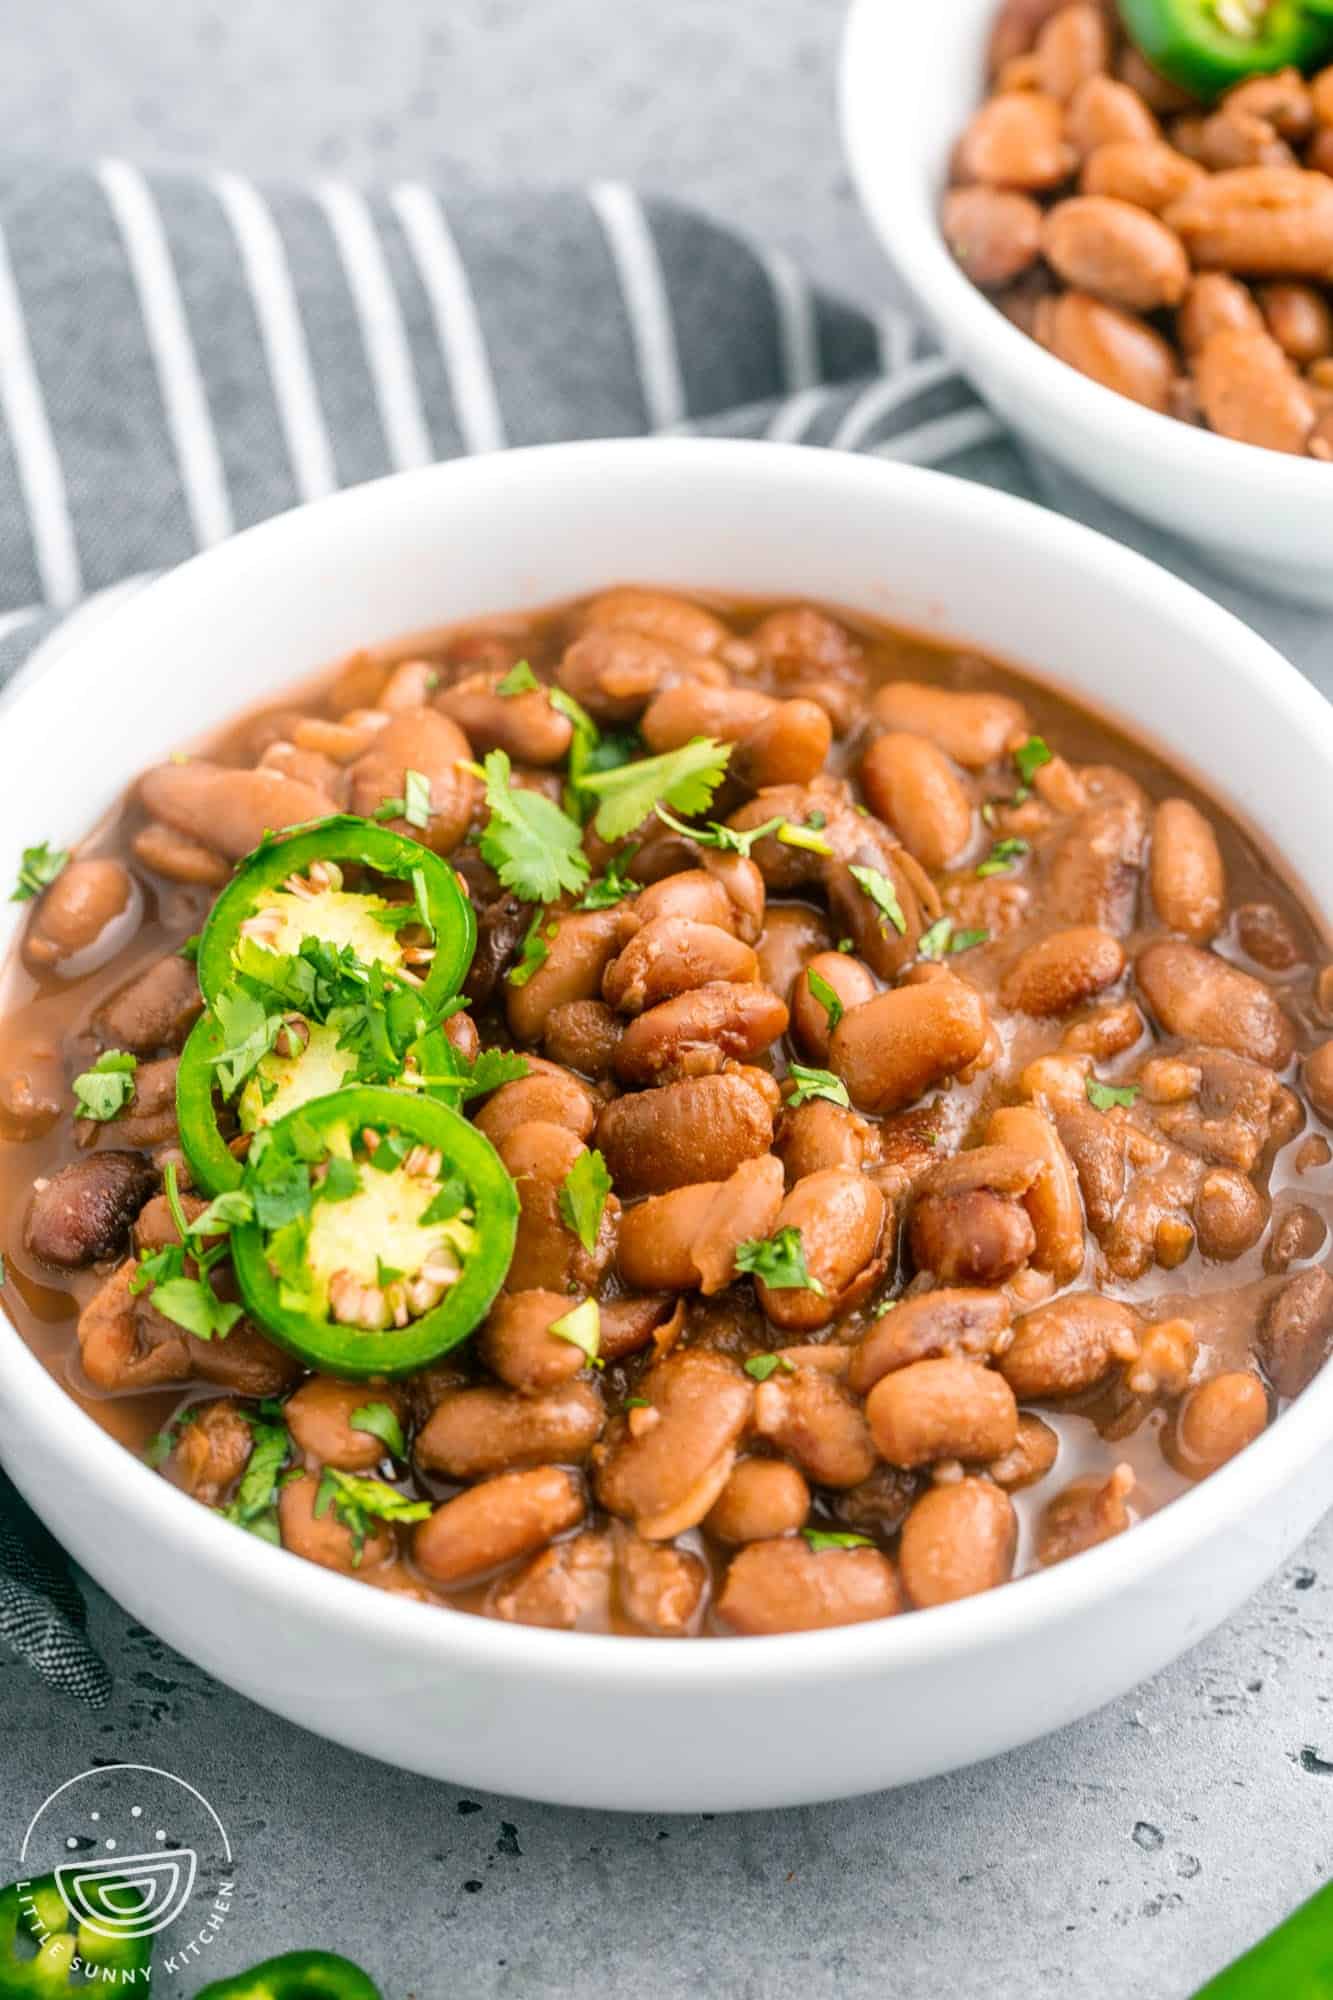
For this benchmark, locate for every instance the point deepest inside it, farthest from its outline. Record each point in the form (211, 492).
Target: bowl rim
(965, 319)
(68, 1436)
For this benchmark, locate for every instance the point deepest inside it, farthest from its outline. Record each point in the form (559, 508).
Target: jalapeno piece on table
(297, 1975)
(327, 882)
(382, 1226)
(45, 1952)
(1294, 1962)
(1206, 46)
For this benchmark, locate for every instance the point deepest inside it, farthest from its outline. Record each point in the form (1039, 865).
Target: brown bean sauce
(1203, 1198)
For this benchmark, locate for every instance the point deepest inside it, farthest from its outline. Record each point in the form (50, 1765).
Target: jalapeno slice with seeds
(292, 887)
(297, 1975)
(1207, 46)
(383, 1227)
(45, 1952)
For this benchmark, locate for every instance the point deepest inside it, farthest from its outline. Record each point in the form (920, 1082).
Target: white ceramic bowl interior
(911, 78)
(644, 1723)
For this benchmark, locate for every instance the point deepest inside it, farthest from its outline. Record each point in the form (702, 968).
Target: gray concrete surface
(1129, 1856)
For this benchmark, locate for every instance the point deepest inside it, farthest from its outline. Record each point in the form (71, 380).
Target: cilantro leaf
(1030, 756)
(817, 1083)
(882, 1308)
(534, 951)
(451, 1200)
(249, 1031)
(942, 938)
(255, 1506)
(534, 847)
(1002, 856)
(38, 869)
(583, 1197)
(1105, 1096)
(103, 1091)
(613, 887)
(380, 1420)
(819, 1540)
(778, 1262)
(193, 1304)
(795, 833)
(822, 992)
(882, 894)
(190, 949)
(223, 1213)
(416, 800)
(463, 1079)
(357, 1502)
(727, 839)
(519, 680)
(684, 779)
(582, 1328)
(341, 1180)
(760, 1366)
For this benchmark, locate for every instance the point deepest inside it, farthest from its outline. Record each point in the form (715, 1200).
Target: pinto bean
(852, 982)
(1319, 1080)
(1281, 97)
(1295, 1335)
(692, 894)
(666, 1475)
(150, 1119)
(1093, 873)
(583, 1035)
(810, 1417)
(1016, 140)
(423, 740)
(658, 615)
(548, 1256)
(247, 1362)
(615, 672)
(1300, 321)
(670, 956)
(953, 1323)
(1146, 172)
(892, 1048)
(1111, 346)
(1034, 1452)
(687, 1240)
(473, 1433)
(1157, 92)
(1187, 876)
(523, 725)
(1063, 971)
(154, 1010)
(1087, 1512)
(319, 1417)
(699, 1129)
(579, 946)
(817, 1135)
(1249, 391)
(1258, 222)
(1014, 30)
(784, 1586)
(1053, 1201)
(629, 1324)
(1230, 1214)
(32, 1086)
(1072, 46)
(226, 810)
(169, 853)
(776, 743)
(697, 1032)
(517, 1345)
(1069, 1345)
(410, 685)
(1213, 304)
(943, 1408)
(973, 729)
(547, 1093)
(661, 1589)
(87, 913)
(1102, 112)
(1215, 1420)
(1116, 252)
(839, 1216)
(1202, 999)
(212, 1450)
(970, 1238)
(83, 1213)
(565, 1588)
(912, 786)
(322, 1536)
(498, 1521)
(994, 233)
(958, 1540)
(762, 1498)
(125, 1344)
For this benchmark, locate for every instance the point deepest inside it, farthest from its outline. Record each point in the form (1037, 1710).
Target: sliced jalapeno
(382, 1227)
(1294, 1962)
(1207, 46)
(293, 888)
(45, 1952)
(297, 1975)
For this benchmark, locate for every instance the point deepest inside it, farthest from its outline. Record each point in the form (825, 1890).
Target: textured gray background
(1127, 1857)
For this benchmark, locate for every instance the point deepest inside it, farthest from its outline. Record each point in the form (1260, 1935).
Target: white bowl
(911, 78)
(645, 1723)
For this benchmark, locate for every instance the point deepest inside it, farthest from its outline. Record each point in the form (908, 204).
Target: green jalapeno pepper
(1207, 46)
(58, 1950)
(1294, 1962)
(382, 1226)
(291, 888)
(297, 1975)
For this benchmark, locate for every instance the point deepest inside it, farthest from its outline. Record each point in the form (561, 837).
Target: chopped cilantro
(683, 779)
(1030, 756)
(416, 799)
(341, 1181)
(190, 949)
(821, 991)
(1002, 856)
(193, 1304)
(882, 894)
(727, 839)
(760, 1366)
(942, 938)
(389, 1154)
(582, 1328)
(778, 1262)
(817, 1083)
(223, 1213)
(380, 1421)
(583, 1197)
(519, 680)
(793, 834)
(534, 952)
(819, 1539)
(475, 1079)
(249, 1030)
(255, 1507)
(611, 888)
(451, 1200)
(882, 1307)
(357, 1502)
(103, 1091)
(534, 847)
(636, 1403)
(38, 869)
(1105, 1096)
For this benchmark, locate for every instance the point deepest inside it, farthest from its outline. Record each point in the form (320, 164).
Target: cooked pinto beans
(991, 983)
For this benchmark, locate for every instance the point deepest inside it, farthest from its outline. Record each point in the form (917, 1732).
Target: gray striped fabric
(181, 357)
